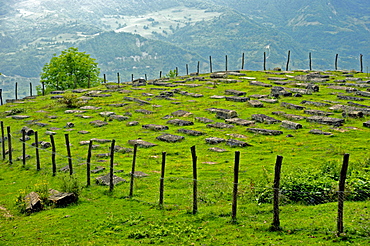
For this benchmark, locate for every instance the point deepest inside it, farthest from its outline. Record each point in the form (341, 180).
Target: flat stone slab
(363, 93)
(255, 103)
(292, 106)
(277, 91)
(139, 174)
(237, 99)
(33, 202)
(358, 105)
(170, 138)
(301, 91)
(144, 111)
(264, 131)
(238, 121)
(155, 127)
(50, 133)
(191, 132)
(141, 143)
(268, 100)
(218, 150)
(98, 140)
(257, 96)
(90, 108)
(264, 119)
(258, 83)
(344, 88)
(137, 100)
(217, 97)
(75, 111)
(181, 113)
(106, 114)
(277, 78)
(98, 123)
(235, 92)
(317, 112)
(98, 169)
(223, 113)
(353, 114)
(326, 120)
(236, 143)
(120, 149)
(319, 132)
(366, 124)
(20, 117)
(178, 122)
(203, 120)
(318, 104)
(220, 125)
(119, 117)
(214, 140)
(105, 180)
(350, 98)
(290, 125)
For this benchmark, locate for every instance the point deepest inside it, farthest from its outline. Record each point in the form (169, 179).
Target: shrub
(71, 100)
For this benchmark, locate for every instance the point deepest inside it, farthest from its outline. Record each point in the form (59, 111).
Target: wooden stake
(1, 97)
(310, 58)
(43, 88)
(69, 154)
(210, 64)
(37, 151)
(31, 89)
(9, 145)
(160, 74)
(133, 172)
(342, 182)
(226, 63)
(235, 189)
(118, 79)
(264, 61)
(361, 65)
(195, 184)
(105, 79)
(132, 77)
(198, 68)
(16, 91)
(53, 154)
(276, 221)
(243, 61)
(88, 165)
(161, 181)
(336, 62)
(177, 71)
(111, 184)
(2, 139)
(287, 63)
(24, 147)
(187, 69)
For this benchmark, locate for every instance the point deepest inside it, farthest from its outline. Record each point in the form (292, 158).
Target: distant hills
(145, 37)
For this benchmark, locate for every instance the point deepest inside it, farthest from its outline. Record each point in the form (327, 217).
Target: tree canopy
(71, 69)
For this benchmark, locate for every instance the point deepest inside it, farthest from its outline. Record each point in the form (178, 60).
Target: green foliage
(71, 100)
(71, 69)
(171, 74)
(70, 184)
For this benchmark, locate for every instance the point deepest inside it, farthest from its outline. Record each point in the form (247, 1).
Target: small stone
(98, 123)
(132, 123)
(214, 140)
(170, 138)
(105, 180)
(219, 150)
(83, 132)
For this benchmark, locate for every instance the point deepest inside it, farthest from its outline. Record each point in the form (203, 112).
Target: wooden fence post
(361, 65)
(69, 154)
(132, 77)
(187, 69)
(287, 63)
(336, 62)
(235, 189)
(2, 139)
(88, 165)
(31, 89)
(195, 181)
(1, 97)
(342, 181)
(210, 64)
(160, 74)
(9, 145)
(37, 151)
(133, 172)
(310, 61)
(198, 68)
(24, 147)
(243, 61)
(264, 61)
(43, 88)
(177, 71)
(53, 154)
(105, 78)
(111, 184)
(276, 221)
(146, 78)
(16, 91)
(118, 79)
(226, 63)
(161, 181)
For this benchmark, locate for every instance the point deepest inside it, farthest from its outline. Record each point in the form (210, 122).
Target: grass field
(310, 170)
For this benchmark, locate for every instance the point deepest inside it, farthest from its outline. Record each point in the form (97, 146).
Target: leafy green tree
(71, 69)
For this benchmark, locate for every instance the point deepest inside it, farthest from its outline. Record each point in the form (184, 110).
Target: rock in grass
(141, 143)
(191, 132)
(139, 174)
(214, 140)
(170, 138)
(319, 132)
(366, 124)
(178, 122)
(220, 125)
(264, 131)
(239, 121)
(236, 143)
(203, 120)
(290, 125)
(264, 119)
(325, 120)
(33, 202)
(105, 180)
(219, 150)
(63, 198)
(98, 123)
(181, 113)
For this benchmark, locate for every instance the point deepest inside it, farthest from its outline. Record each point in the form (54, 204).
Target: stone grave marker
(105, 180)
(264, 131)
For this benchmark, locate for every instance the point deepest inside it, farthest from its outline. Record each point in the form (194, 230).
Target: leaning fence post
(53, 154)
(133, 171)
(243, 61)
(9, 145)
(195, 184)
(287, 63)
(161, 182)
(342, 180)
(37, 151)
(235, 189)
(2, 139)
(88, 167)
(276, 221)
(24, 147)
(69, 154)
(336, 62)
(111, 184)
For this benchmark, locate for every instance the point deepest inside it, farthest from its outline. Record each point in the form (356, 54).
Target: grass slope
(104, 218)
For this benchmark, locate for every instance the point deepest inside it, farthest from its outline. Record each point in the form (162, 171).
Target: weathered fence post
(342, 181)
(264, 61)
(111, 184)
(177, 71)
(243, 61)
(2, 139)
(1, 96)
(105, 78)
(361, 65)
(198, 68)
(210, 64)
(132, 77)
(160, 74)
(9, 145)
(336, 62)
(226, 63)
(43, 88)
(235, 189)
(88, 164)
(133, 172)
(24, 147)
(146, 78)
(53, 154)
(30, 89)
(161, 181)
(276, 221)
(16, 91)
(118, 79)
(69, 154)
(187, 69)
(287, 62)
(37, 151)
(310, 61)
(195, 181)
